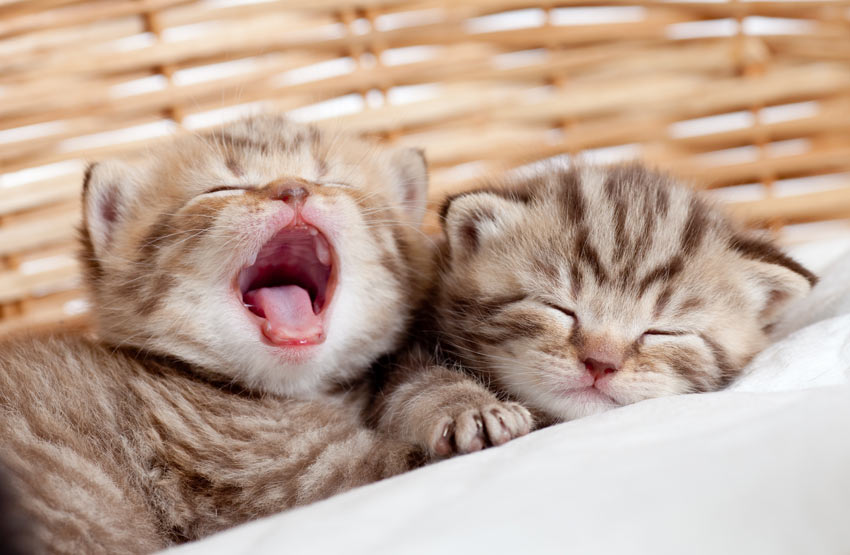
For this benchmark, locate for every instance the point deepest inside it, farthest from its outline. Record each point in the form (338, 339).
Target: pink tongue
(289, 314)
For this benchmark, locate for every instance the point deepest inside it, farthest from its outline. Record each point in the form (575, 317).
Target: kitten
(578, 291)
(242, 283)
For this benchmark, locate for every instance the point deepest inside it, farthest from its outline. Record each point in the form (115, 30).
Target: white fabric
(763, 467)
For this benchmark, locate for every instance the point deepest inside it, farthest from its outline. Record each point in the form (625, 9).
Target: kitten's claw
(473, 429)
(443, 445)
(469, 432)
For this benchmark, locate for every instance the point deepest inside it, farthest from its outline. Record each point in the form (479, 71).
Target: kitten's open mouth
(290, 285)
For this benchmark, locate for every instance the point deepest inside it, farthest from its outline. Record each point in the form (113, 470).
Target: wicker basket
(750, 99)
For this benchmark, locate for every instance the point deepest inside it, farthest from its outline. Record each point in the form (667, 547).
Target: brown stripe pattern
(181, 419)
(616, 268)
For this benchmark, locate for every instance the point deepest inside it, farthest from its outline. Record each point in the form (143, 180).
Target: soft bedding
(763, 467)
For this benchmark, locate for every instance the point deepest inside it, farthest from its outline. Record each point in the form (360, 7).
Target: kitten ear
(410, 176)
(106, 199)
(773, 278)
(471, 219)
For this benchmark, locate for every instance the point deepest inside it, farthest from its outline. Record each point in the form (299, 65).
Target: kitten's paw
(475, 428)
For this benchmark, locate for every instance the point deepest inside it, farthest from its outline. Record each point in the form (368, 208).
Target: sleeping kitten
(242, 283)
(578, 291)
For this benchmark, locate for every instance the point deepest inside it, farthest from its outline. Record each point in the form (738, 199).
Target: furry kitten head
(585, 289)
(274, 254)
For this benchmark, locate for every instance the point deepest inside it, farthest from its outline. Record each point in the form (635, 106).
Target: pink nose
(294, 196)
(598, 368)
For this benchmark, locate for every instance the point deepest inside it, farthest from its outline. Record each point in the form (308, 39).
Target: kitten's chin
(579, 403)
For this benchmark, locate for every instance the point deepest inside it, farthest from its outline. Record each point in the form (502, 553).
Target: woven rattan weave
(751, 99)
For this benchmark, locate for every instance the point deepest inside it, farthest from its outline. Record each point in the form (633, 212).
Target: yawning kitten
(242, 283)
(580, 290)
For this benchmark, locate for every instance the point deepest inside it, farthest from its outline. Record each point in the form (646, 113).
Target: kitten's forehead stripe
(547, 267)
(612, 187)
(587, 253)
(572, 198)
(696, 226)
(244, 143)
(662, 201)
(613, 191)
(644, 241)
(576, 279)
(663, 300)
(623, 244)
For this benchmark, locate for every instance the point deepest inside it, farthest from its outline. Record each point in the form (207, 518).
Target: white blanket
(763, 467)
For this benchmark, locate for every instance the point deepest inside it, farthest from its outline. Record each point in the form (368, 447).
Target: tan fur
(443, 409)
(617, 270)
(181, 420)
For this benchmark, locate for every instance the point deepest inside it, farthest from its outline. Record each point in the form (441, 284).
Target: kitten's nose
(599, 368)
(294, 195)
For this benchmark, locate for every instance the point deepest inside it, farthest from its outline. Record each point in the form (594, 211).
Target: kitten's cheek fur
(557, 388)
(238, 333)
(629, 385)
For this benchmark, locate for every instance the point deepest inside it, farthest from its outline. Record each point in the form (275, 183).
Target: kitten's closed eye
(562, 310)
(223, 188)
(655, 336)
(664, 332)
(226, 189)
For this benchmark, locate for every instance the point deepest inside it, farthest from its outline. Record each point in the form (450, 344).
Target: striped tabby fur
(579, 290)
(182, 418)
